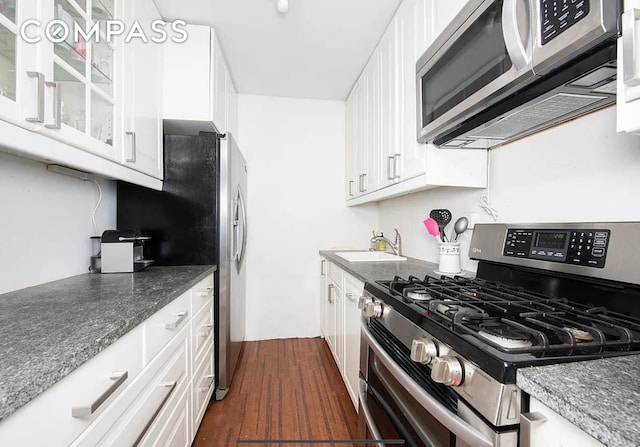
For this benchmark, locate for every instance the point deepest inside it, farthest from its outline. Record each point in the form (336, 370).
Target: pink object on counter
(432, 227)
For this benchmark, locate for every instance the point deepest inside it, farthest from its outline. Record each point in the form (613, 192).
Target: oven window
(397, 415)
(478, 57)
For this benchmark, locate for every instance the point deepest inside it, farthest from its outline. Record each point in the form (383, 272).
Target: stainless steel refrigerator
(199, 218)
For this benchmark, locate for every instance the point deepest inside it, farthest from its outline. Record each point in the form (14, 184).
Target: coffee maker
(120, 251)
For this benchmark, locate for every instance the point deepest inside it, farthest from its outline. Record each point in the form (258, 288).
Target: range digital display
(550, 240)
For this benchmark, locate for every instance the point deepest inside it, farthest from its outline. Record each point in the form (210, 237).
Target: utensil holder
(449, 258)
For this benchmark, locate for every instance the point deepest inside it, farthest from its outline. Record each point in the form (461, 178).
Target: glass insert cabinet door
(82, 91)
(9, 33)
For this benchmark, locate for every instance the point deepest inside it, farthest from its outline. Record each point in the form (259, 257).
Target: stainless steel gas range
(439, 357)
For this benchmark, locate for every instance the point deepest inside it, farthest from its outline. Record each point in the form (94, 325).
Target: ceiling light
(282, 5)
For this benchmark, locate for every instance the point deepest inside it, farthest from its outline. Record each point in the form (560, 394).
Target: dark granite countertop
(47, 331)
(383, 270)
(601, 397)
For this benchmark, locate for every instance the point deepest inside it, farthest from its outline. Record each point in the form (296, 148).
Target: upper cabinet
(64, 80)
(628, 82)
(383, 157)
(72, 79)
(141, 134)
(199, 92)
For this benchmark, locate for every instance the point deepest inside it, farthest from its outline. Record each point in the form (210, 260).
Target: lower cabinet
(340, 319)
(549, 429)
(149, 388)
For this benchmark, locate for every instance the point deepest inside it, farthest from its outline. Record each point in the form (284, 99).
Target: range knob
(374, 310)
(447, 370)
(363, 301)
(423, 351)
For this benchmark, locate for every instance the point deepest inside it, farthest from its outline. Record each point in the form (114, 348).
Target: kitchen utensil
(433, 229)
(460, 227)
(442, 217)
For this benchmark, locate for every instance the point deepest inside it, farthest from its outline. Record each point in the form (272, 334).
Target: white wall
(45, 222)
(295, 155)
(582, 171)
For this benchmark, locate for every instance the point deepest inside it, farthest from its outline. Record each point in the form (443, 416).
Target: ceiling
(316, 50)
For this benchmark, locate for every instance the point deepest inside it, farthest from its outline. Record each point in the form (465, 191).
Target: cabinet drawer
(162, 326)
(203, 381)
(334, 272)
(167, 378)
(174, 430)
(201, 329)
(202, 294)
(87, 392)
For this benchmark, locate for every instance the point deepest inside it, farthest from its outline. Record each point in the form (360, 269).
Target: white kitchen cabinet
(389, 91)
(381, 116)
(79, 101)
(351, 371)
(628, 82)
(198, 91)
(18, 91)
(341, 318)
(157, 380)
(67, 95)
(549, 429)
(141, 135)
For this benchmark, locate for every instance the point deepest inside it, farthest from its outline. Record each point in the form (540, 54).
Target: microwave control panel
(557, 16)
(579, 247)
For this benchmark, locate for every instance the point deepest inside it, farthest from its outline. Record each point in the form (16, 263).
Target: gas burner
(417, 295)
(579, 334)
(504, 335)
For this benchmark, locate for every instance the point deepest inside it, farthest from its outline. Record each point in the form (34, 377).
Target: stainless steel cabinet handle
(527, 423)
(132, 159)
(175, 323)
(396, 166)
(330, 293)
(365, 183)
(517, 49)
(57, 105)
(323, 264)
(351, 182)
(631, 58)
(205, 385)
(39, 118)
(87, 410)
(206, 330)
(360, 183)
(166, 388)
(390, 169)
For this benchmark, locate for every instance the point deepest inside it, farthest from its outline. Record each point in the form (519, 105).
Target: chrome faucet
(396, 246)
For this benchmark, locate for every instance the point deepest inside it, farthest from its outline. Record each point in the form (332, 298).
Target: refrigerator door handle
(241, 214)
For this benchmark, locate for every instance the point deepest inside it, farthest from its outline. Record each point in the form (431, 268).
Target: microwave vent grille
(538, 114)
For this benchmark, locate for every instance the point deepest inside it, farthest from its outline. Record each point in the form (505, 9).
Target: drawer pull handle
(205, 294)
(166, 390)
(87, 410)
(206, 384)
(175, 323)
(206, 330)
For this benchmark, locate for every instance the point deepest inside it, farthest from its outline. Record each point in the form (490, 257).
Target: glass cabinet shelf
(7, 63)
(8, 9)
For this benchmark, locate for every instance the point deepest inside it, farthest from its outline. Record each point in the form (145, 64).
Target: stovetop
(501, 327)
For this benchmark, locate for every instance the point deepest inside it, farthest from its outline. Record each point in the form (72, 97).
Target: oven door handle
(368, 417)
(456, 425)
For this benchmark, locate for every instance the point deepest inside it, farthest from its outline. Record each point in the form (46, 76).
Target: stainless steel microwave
(504, 69)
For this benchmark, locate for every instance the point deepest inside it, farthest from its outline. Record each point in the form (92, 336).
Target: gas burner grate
(537, 324)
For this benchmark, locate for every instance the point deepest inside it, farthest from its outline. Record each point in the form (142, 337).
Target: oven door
(482, 56)
(394, 407)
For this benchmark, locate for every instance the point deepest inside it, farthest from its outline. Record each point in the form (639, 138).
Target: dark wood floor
(283, 390)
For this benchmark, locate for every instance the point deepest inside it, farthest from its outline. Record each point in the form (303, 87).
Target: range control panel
(579, 247)
(557, 16)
